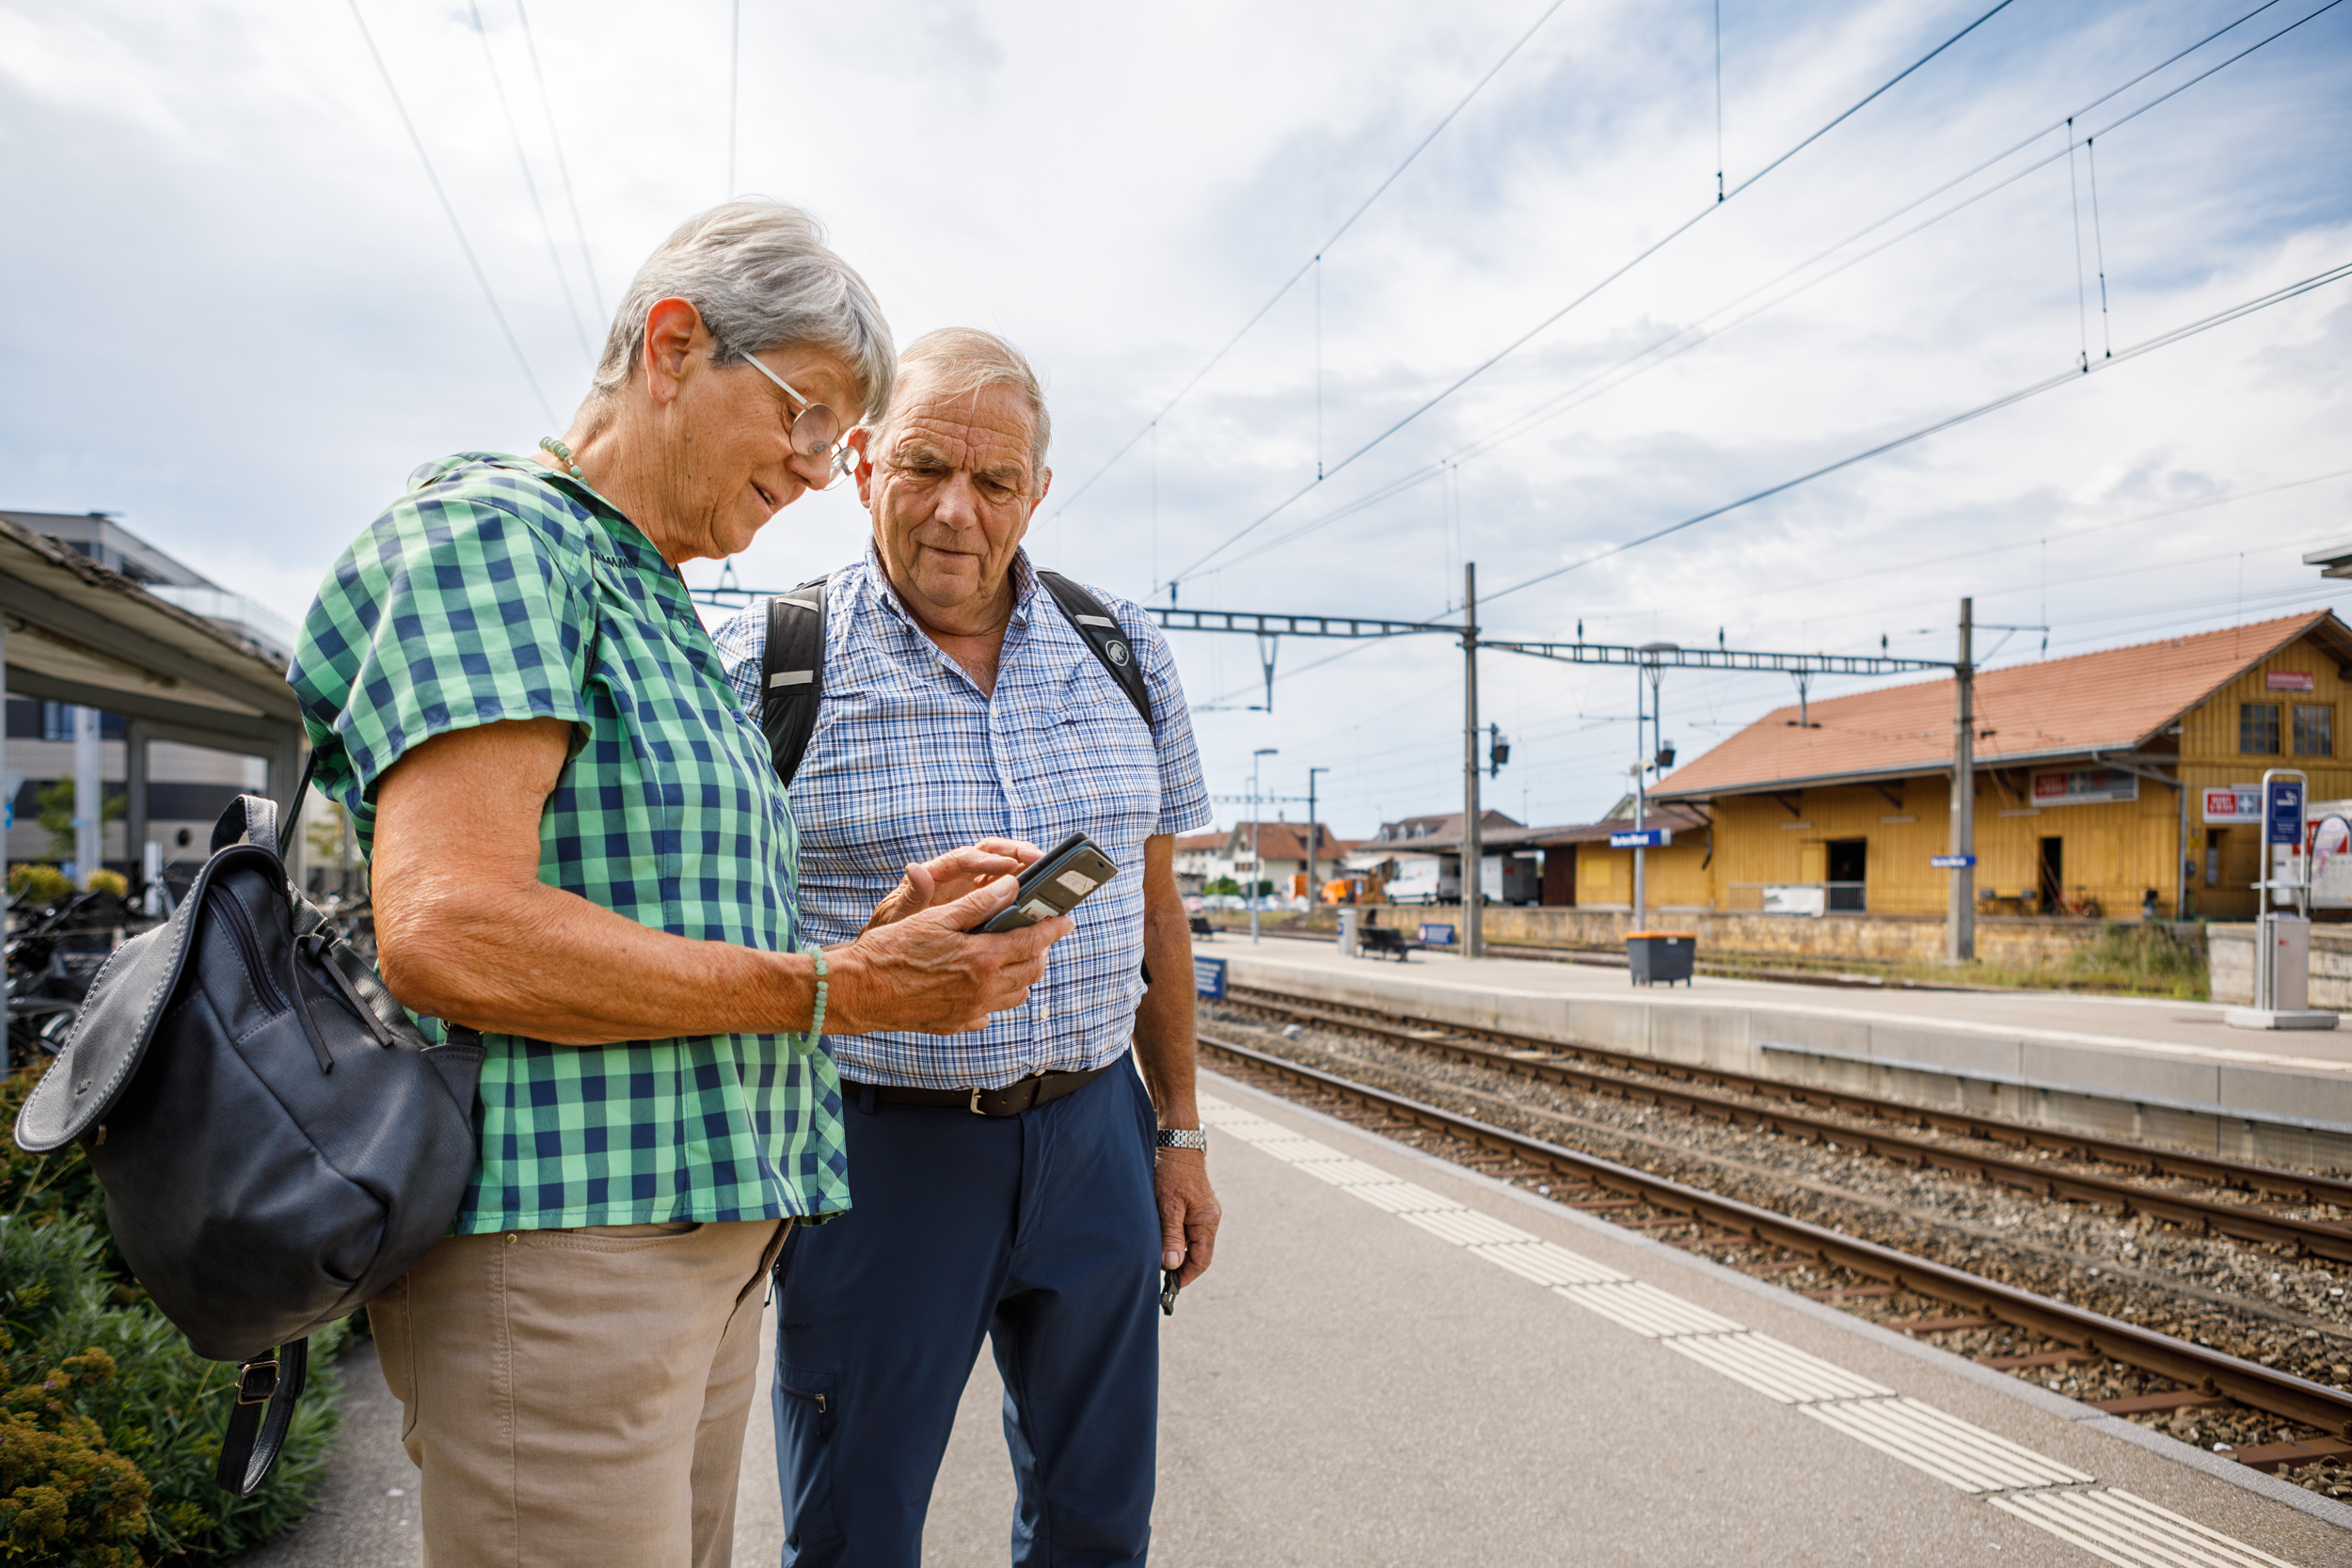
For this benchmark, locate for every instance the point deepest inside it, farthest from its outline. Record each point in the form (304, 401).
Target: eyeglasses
(816, 429)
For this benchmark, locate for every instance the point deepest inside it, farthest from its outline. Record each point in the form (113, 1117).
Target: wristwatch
(1180, 1138)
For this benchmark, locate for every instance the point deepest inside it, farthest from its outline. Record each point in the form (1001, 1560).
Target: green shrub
(109, 882)
(35, 883)
(102, 1404)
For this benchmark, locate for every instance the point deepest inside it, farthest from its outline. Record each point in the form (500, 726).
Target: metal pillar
(136, 739)
(1959, 924)
(1641, 801)
(90, 797)
(2180, 860)
(1311, 898)
(1474, 849)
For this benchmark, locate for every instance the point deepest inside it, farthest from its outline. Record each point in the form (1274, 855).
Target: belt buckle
(975, 1102)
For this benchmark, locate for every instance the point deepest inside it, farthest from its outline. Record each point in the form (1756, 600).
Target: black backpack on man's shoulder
(792, 669)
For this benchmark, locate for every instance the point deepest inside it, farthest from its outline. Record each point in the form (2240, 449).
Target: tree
(53, 810)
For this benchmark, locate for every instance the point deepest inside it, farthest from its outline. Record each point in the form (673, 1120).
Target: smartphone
(1054, 883)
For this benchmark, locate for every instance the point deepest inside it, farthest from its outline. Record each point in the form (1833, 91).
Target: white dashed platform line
(2104, 1521)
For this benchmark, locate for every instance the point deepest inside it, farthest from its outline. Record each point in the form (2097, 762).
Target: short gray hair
(763, 277)
(963, 361)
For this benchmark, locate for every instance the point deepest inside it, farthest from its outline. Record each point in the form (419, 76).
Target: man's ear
(1043, 485)
(860, 441)
(673, 330)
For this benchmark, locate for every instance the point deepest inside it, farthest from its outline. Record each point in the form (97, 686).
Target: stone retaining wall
(2007, 939)
(2229, 954)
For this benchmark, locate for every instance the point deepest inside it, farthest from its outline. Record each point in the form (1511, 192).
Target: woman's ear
(859, 441)
(673, 330)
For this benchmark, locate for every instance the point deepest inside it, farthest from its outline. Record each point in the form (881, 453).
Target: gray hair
(763, 277)
(963, 361)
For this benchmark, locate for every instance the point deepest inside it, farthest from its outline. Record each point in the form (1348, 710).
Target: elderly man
(1006, 1183)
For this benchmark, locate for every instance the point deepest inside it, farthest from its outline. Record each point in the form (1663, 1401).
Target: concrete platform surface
(2044, 1055)
(1397, 1361)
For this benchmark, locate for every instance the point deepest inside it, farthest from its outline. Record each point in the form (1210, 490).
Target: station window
(2314, 730)
(2258, 729)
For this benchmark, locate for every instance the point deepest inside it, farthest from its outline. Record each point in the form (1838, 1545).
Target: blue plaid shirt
(911, 759)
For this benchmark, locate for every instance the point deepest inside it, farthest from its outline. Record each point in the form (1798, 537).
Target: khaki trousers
(577, 1397)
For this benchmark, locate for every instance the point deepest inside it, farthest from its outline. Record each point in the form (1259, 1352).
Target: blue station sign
(1208, 979)
(2283, 811)
(1951, 862)
(1646, 838)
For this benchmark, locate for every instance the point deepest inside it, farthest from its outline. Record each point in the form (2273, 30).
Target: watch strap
(1180, 1138)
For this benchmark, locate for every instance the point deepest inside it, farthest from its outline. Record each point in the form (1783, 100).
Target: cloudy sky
(239, 314)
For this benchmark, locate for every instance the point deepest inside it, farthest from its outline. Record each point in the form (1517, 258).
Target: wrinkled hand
(1189, 1213)
(926, 974)
(949, 877)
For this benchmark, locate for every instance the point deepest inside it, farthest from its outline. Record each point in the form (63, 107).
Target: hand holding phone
(1054, 883)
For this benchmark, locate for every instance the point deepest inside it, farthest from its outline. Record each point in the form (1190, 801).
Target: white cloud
(240, 317)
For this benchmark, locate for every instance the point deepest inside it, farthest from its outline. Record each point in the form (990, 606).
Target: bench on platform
(1379, 941)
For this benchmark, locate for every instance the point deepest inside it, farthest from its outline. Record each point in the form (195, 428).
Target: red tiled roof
(2114, 700)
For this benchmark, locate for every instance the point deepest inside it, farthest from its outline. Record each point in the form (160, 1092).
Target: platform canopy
(78, 632)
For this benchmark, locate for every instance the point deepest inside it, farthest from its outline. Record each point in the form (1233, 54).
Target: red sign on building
(2287, 680)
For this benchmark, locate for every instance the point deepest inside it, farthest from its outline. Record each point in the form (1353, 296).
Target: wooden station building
(2091, 781)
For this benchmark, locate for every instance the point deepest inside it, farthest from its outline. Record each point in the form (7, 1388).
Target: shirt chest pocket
(695, 826)
(1097, 765)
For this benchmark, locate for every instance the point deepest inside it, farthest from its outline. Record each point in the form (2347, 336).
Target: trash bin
(1660, 957)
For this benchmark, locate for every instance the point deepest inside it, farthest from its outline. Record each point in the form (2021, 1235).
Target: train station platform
(1396, 1360)
(2169, 1072)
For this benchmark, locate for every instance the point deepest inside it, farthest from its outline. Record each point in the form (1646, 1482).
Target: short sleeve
(741, 640)
(1184, 792)
(450, 611)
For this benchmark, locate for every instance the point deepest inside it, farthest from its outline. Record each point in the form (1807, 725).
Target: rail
(2213, 1372)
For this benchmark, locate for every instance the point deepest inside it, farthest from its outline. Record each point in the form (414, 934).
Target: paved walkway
(1398, 1362)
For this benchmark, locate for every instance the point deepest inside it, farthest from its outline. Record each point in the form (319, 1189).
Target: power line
(515, 135)
(547, 106)
(1653, 248)
(1598, 384)
(2166, 339)
(457, 228)
(1291, 281)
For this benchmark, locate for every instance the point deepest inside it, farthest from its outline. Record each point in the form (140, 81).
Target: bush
(2150, 955)
(35, 883)
(109, 882)
(110, 1426)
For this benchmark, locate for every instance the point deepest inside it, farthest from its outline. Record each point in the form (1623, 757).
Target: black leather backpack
(277, 1140)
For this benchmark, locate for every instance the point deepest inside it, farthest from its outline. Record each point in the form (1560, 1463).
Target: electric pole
(1311, 898)
(1474, 857)
(1960, 920)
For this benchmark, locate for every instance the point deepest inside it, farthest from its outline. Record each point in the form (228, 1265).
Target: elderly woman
(580, 849)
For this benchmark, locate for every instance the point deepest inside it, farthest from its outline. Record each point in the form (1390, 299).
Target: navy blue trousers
(1039, 1231)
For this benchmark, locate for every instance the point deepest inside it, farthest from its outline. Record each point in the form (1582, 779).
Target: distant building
(1239, 851)
(187, 785)
(2099, 779)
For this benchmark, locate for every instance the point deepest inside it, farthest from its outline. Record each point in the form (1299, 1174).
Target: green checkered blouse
(494, 590)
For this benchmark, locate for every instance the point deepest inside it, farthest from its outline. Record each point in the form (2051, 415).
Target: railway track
(1628, 1197)
(1677, 1086)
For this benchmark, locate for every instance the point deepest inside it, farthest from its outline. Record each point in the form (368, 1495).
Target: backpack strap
(268, 1387)
(1101, 630)
(792, 673)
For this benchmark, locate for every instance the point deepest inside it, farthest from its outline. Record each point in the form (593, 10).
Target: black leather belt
(1014, 1098)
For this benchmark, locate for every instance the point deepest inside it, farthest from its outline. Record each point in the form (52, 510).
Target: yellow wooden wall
(2113, 850)
(2210, 758)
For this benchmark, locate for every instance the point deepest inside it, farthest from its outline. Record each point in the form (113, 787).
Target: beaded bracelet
(817, 1023)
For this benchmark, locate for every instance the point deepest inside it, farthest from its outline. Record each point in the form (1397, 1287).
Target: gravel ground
(2252, 1300)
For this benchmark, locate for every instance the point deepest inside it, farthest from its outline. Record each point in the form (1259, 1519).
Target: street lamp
(1257, 861)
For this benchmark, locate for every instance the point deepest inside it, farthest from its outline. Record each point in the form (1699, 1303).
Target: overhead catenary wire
(2099, 245)
(1644, 254)
(1291, 281)
(489, 295)
(1664, 350)
(522, 162)
(2165, 339)
(562, 168)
